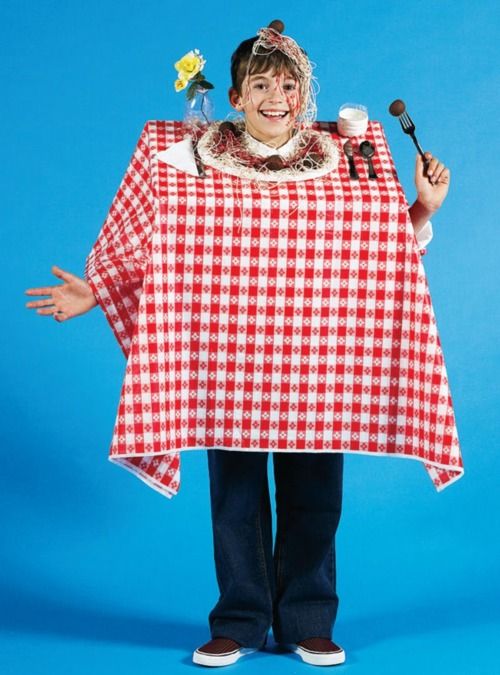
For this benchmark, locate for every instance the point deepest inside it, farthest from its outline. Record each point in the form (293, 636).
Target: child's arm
(432, 189)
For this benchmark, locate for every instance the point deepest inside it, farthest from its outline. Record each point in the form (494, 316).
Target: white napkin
(181, 156)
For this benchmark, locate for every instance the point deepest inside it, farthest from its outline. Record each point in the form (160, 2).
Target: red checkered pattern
(283, 318)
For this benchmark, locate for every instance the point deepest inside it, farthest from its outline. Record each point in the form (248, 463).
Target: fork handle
(198, 162)
(421, 152)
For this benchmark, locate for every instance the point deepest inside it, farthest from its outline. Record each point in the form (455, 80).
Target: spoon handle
(352, 168)
(371, 170)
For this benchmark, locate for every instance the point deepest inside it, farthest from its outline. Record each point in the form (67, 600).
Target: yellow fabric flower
(180, 84)
(190, 65)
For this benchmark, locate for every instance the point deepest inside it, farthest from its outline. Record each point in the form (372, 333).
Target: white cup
(352, 119)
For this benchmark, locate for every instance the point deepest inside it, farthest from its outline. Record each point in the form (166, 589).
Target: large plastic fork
(409, 128)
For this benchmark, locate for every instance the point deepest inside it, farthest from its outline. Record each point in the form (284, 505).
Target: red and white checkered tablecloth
(284, 318)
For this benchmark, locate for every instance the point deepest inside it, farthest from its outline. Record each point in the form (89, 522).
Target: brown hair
(276, 60)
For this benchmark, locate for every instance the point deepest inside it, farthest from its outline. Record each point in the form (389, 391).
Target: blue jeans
(291, 589)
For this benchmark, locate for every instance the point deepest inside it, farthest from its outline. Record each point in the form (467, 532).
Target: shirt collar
(264, 150)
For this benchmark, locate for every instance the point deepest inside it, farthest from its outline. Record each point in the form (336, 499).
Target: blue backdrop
(102, 574)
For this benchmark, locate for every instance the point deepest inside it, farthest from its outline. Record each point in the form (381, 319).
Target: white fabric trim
(121, 460)
(330, 162)
(424, 234)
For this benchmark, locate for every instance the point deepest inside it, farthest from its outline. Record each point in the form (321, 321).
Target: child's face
(262, 95)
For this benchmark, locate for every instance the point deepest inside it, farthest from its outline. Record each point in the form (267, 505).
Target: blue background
(101, 574)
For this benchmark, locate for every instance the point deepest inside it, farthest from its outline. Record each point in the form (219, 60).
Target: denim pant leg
(242, 536)
(308, 507)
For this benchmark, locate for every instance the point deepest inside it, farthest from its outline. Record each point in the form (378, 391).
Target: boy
(293, 588)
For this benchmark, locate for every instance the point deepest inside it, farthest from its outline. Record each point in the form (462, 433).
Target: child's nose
(276, 92)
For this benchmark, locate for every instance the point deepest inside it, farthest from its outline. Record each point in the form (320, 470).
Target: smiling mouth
(274, 115)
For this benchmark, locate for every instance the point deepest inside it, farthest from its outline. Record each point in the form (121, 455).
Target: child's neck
(270, 143)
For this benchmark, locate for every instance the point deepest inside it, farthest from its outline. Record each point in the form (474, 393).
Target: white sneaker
(318, 651)
(220, 652)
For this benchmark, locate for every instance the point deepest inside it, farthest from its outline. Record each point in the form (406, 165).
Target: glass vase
(199, 110)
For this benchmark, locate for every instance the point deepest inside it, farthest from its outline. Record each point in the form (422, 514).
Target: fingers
(436, 170)
(45, 290)
(421, 167)
(53, 311)
(445, 176)
(433, 168)
(47, 312)
(47, 307)
(61, 274)
(49, 290)
(40, 303)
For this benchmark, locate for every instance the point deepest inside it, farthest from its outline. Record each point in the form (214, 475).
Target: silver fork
(409, 128)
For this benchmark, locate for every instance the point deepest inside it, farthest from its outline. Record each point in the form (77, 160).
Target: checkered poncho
(283, 318)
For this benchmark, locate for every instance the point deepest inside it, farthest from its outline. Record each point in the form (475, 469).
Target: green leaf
(205, 84)
(191, 91)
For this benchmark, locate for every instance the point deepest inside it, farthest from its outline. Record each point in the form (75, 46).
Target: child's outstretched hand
(432, 186)
(72, 298)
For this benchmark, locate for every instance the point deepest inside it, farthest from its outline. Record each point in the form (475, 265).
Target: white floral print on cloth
(288, 318)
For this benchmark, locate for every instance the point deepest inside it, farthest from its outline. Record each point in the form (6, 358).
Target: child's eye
(290, 86)
(287, 87)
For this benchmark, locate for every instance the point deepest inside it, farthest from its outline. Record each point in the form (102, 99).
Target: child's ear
(235, 99)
